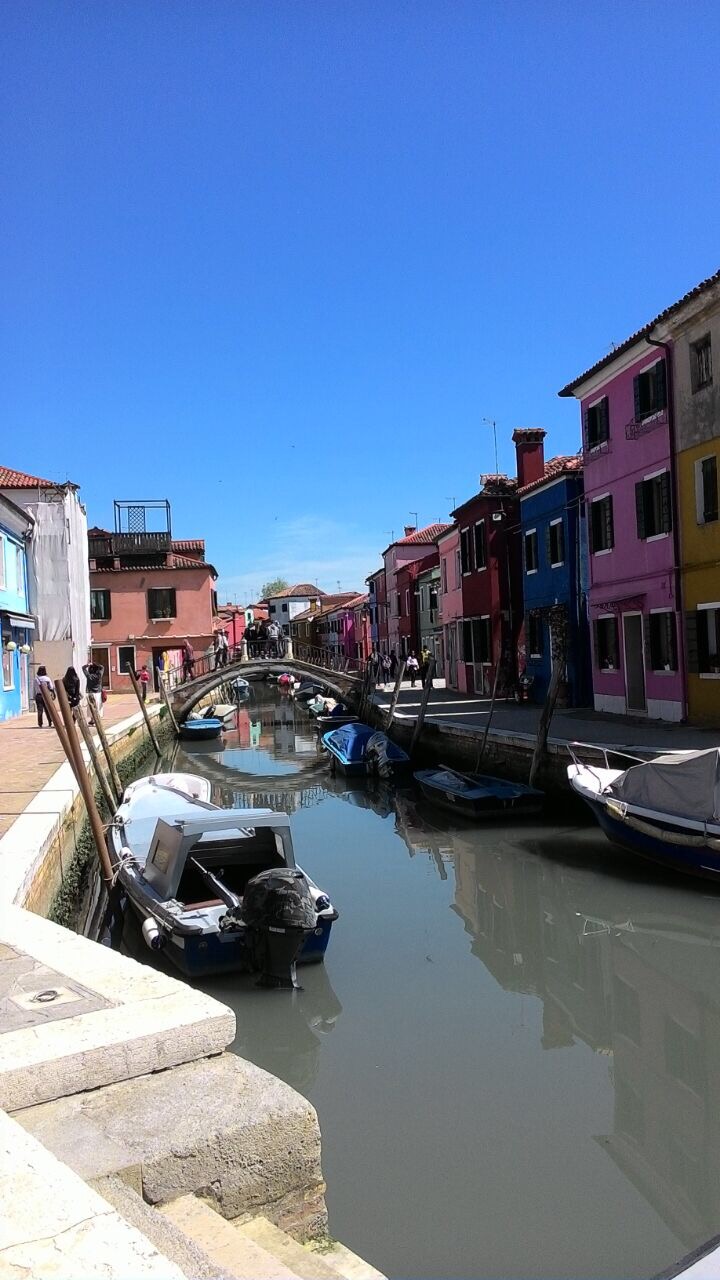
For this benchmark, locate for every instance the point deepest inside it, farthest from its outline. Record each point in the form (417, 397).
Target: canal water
(514, 1044)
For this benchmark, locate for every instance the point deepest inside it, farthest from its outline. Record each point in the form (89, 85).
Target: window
(284, 608)
(597, 424)
(476, 640)
(650, 388)
(708, 639)
(161, 602)
(556, 543)
(480, 545)
(458, 567)
(465, 551)
(20, 569)
(706, 490)
(602, 532)
(126, 657)
(652, 506)
(271, 609)
(432, 600)
(8, 669)
(701, 364)
(407, 602)
(444, 573)
(100, 606)
(663, 641)
(531, 551)
(606, 644)
(2, 562)
(398, 603)
(535, 635)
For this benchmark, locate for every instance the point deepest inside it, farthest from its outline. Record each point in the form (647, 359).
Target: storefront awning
(24, 620)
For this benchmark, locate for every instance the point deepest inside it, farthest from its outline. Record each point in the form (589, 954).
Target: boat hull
(698, 860)
(479, 808)
(200, 730)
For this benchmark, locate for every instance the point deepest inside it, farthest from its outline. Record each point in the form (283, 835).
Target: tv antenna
(492, 423)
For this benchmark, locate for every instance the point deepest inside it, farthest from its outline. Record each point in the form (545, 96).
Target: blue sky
(276, 261)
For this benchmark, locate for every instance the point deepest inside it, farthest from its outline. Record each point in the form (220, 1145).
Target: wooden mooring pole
(100, 730)
(427, 690)
(483, 744)
(166, 699)
(110, 799)
(545, 718)
(84, 784)
(138, 694)
(55, 719)
(396, 694)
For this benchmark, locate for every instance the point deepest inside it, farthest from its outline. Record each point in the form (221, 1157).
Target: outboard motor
(279, 913)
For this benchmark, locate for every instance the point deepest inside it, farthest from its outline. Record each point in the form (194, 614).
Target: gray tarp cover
(685, 785)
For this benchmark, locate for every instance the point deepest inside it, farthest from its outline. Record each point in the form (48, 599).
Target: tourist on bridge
(188, 662)
(221, 650)
(43, 682)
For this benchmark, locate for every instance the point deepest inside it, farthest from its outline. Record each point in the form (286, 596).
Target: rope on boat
(659, 833)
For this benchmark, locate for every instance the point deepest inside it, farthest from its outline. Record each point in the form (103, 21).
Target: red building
(377, 601)
(491, 569)
(149, 593)
(408, 605)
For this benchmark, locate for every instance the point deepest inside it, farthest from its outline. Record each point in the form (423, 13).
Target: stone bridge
(185, 695)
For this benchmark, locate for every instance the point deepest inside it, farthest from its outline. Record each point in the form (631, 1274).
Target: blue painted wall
(563, 585)
(13, 599)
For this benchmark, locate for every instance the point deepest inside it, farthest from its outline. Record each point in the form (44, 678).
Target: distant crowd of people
(384, 666)
(265, 640)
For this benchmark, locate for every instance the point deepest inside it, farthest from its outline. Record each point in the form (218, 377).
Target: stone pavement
(30, 756)
(447, 706)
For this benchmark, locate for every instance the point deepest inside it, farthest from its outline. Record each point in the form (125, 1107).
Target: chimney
(530, 454)
(410, 528)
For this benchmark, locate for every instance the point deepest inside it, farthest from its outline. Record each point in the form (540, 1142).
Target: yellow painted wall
(700, 567)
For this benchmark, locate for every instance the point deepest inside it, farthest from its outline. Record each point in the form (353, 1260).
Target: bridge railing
(327, 658)
(204, 664)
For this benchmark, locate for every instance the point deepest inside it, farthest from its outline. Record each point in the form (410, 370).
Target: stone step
(300, 1259)
(235, 1254)
(344, 1262)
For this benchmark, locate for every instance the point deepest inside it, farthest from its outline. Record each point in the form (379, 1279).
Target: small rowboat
(326, 723)
(200, 730)
(478, 795)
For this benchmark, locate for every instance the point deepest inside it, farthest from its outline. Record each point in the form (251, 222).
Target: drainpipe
(670, 380)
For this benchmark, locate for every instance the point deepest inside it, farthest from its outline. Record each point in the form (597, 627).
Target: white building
(58, 582)
(286, 605)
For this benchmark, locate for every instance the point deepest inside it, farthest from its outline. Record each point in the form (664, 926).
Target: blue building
(554, 581)
(16, 623)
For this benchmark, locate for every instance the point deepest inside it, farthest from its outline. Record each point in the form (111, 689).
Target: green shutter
(640, 508)
(692, 652)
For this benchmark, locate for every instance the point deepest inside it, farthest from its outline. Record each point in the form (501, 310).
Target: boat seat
(209, 902)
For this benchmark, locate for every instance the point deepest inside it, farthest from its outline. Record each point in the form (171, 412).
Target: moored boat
(306, 690)
(325, 723)
(357, 748)
(479, 796)
(666, 809)
(201, 729)
(200, 877)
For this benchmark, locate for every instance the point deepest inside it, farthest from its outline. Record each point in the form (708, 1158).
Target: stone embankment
(132, 1142)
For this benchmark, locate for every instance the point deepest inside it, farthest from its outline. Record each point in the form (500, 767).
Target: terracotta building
(149, 593)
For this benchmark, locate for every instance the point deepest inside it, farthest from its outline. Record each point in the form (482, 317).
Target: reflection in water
(550, 1111)
(638, 981)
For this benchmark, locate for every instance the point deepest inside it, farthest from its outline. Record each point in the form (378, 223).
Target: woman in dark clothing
(43, 683)
(71, 680)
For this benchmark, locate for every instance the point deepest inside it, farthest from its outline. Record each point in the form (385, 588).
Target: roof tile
(10, 479)
(554, 467)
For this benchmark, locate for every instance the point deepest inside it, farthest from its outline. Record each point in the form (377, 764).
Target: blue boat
(188, 868)
(666, 810)
(201, 729)
(479, 796)
(358, 748)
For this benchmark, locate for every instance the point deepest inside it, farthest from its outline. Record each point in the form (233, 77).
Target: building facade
(150, 593)
(295, 600)
(428, 609)
(451, 607)
(17, 624)
(634, 584)
(555, 610)
(415, 544)
(377, 601)
(57, 573)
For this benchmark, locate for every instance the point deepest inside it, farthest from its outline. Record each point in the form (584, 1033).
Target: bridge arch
(184, 696)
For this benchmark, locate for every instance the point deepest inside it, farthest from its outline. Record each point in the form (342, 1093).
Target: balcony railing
(129, 544)
(637, 427)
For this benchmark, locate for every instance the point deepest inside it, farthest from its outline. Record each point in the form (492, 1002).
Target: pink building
(451, 607)
(413, 546)
(633, 580)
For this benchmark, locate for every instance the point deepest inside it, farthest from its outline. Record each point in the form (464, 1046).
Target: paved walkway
(584, 725)
(29, 756)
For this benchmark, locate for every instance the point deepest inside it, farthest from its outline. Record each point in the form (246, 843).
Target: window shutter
(692, 654)
(660, 385)
(647, 639)
(636, 395)
(605, 419)
(609, 531)
(590, 525)
(671, 629)
(548, 544)
(640, 508)
(586, 428)
(665, 503)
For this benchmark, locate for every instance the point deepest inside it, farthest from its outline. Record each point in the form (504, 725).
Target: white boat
(188, 867)
(666, 809)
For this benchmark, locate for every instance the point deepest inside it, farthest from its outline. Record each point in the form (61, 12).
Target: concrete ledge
(221, 1128)
(52, 1224)
(154, 1021)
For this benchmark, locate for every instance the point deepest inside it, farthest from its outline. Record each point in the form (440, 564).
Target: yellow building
(694, 330)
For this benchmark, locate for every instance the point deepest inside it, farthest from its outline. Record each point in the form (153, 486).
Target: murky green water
(513, 1046)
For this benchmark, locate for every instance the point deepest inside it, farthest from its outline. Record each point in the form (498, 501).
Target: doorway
(452, 656)
(101, 655)
(634, 662)
(24, 684)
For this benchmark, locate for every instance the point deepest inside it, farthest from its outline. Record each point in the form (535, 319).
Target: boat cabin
(231, 846)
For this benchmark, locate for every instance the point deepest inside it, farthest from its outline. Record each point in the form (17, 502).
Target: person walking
(93, 672)
(188, 661)
(412, 666)
(143, 679)
(424, 663)
(393, 664)
(71, 681)
(43, 682)
(386, 665)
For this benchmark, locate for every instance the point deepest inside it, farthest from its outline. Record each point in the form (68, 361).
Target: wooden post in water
(138, 694)
(112, 767)
(166, 699)
(95, 757)
(84, 784)
(423, 705)
(545, 718)
(396, 695)
(55, 718)
(483, 744)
